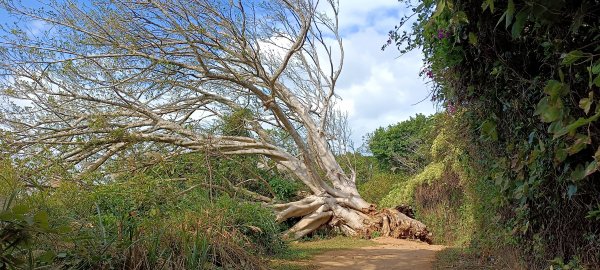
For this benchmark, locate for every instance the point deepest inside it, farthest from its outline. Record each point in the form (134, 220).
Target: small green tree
(404, 146)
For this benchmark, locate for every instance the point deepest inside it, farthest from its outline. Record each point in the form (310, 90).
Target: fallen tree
(123, 77)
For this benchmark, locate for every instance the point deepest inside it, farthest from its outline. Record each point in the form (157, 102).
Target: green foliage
(148, 219)
(284, 189)
(379, 185)
(449, 195)
(403, 193)
(559, 264)
(527, 81)
(373, 181)
(403, 146)
(364, 166)
(22, 225)
(235, 124)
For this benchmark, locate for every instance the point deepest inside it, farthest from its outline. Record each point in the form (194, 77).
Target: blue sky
(377, 88)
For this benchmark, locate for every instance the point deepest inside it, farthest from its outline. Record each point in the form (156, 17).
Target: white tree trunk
(351, 215)
(140, 81)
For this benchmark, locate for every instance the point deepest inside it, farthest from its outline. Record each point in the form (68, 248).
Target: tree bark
(345, 215)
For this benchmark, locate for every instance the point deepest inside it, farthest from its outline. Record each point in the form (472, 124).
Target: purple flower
(441, 34)
(430, 74)
(451, 109)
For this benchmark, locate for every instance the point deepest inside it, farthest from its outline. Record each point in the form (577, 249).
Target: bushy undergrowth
(379, 185)
(451, 195)
(141, 221)
(526, 75)
(403, 192)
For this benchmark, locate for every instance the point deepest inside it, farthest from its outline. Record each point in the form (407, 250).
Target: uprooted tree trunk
(345, 214)
(343, 208)
(113, 78)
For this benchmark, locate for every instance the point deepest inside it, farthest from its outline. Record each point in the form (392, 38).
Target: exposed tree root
(391, 222)
(346, 215)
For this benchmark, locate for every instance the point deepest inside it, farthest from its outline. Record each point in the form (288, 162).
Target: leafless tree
(109, 76)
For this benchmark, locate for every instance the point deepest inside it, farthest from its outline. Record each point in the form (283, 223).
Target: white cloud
(377, 87)
(357, 13)
(37, 27)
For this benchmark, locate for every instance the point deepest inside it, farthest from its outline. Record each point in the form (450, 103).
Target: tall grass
(142, 222)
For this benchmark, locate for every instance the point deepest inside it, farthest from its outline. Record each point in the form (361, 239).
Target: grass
(300, 253)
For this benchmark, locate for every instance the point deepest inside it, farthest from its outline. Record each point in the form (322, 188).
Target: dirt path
(389, 254)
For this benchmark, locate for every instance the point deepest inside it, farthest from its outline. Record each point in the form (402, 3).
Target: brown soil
(390, 253)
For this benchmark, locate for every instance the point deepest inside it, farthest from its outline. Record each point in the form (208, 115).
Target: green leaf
(47, 257)
(459, 17)
(585, 104)
(597, 81)
(571, 57)
(594, 214)
(510, 11)
(20, 209)
(580, 143)
(571, 190)
(488, 130)
(439, 8)
(561, 75)
(41, 219)
(542, 145)
(591, 168)
(501, 19)
(548, 112)
(472, 38)
(554, 88)
(491, 5)
(560, 155)
(596, 68)
(554, 127)
(578, 173)
(520, 21)
(571, 127)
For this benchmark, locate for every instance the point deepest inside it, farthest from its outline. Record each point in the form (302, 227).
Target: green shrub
(379, 185)
(285, 189)
(403, 147)
(450, 195)
(527, 82)
(141, 221)
(403, 193)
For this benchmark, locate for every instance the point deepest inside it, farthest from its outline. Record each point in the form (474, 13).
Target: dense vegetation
(166, 216)
(522, 79)
(403, 147)
(508, 173)
(451, 193)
